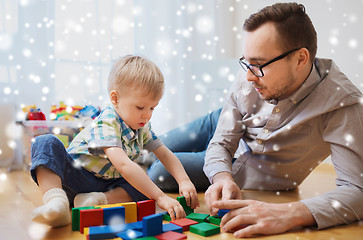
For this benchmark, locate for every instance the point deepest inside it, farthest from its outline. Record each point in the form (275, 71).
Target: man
(283, 116)
(291, 113)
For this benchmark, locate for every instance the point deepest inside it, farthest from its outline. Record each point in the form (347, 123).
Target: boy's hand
(172, 206)
(187, 189)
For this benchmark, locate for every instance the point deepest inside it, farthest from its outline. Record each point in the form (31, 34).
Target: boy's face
(135, 106)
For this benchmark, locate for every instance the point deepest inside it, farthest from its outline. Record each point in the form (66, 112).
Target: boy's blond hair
(135, 72)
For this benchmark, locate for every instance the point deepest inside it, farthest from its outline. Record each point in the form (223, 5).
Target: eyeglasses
(257, 69)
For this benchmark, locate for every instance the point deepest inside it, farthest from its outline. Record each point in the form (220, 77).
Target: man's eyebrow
(255, 58)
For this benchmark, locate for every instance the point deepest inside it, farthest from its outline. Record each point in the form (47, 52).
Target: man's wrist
(303, 216)
(225, 176)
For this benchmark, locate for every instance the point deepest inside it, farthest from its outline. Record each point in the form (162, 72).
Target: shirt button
(259, 141)
(277, 110)
(266, 131)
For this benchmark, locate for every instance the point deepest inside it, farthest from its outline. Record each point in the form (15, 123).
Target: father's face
(260, 46)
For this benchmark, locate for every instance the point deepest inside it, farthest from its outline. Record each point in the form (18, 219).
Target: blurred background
(54, 51)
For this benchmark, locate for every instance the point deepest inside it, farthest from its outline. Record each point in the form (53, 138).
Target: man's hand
(224, 188)
(250, 217)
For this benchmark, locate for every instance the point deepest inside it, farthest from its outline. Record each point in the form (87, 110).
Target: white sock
(90, 199)
(55, 211)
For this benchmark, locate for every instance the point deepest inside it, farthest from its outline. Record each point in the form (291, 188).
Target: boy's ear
(113, 97)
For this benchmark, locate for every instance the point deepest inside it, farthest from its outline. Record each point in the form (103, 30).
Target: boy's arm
(176, 169)
(137, 177)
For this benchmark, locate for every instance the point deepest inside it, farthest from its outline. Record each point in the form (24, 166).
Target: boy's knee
(46, 139)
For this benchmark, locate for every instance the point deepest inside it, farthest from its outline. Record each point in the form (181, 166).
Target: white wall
(62, 50)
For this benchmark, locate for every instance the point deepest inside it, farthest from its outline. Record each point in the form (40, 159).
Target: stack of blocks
(138, 220)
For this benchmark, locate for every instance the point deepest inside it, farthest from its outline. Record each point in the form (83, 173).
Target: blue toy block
(113, 215)
(101, 232)
(152, 225)
(222, 212)
(135, 225)
(172, 227)
(129, 234)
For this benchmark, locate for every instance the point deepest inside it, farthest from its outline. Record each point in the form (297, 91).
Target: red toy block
(184, 223)
(171, 236)
(90, 217)
(145, 208)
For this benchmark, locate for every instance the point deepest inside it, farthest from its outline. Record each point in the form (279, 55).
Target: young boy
(98, 166)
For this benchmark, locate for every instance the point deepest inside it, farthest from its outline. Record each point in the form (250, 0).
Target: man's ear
(303, 58)
(113, 97)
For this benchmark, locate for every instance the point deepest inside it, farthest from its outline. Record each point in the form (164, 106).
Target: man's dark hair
(293, 25)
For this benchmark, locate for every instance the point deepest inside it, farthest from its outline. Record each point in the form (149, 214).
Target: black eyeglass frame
(247, 65)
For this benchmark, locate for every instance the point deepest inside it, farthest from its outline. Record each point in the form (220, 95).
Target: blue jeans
(49, 152)
(189, 144)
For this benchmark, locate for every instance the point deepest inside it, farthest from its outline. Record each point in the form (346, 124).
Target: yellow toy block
(130, 211)
(108, 205)
(86, 231)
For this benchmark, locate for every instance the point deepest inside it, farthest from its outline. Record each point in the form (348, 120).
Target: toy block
(172, 227)
(222, 212)
(135, 225)
(147, 238)
(129, 234)
(152, 225)
(130, 211)
(166, 216)
(100, 232)
(204, 229)
(184, 223)
(114, 215)
(171, 236)
(215, 220)
(183, 202)
(90, 217)
(145, 208)
(108, 205)
(75, 217)
(199, 217)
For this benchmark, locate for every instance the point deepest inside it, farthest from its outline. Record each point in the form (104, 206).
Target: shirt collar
(307, 87)
(127, 133)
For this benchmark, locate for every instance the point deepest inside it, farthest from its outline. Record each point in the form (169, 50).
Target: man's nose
(251, 77)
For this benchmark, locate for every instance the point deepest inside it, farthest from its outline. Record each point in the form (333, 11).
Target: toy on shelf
(33, 113)
(64, 112)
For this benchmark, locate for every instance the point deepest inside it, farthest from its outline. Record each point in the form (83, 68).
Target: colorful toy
(198, 217)
(145, 208)
(172, 227)
(97, 222)
(222, 212)
(215, 220)
(152, 225)
(185, 223)
(204, 229)
(90, 217)
(183, 202)
(171, 236)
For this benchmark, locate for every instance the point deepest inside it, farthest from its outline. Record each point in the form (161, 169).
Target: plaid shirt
(109, 130)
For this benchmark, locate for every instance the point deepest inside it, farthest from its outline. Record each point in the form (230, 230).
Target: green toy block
(199, 217)
(183, 202)
(215, 220)
(166, 216)
(75, 217)
(204, 229)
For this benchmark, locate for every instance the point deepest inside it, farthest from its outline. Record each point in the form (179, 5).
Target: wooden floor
(19, 196)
